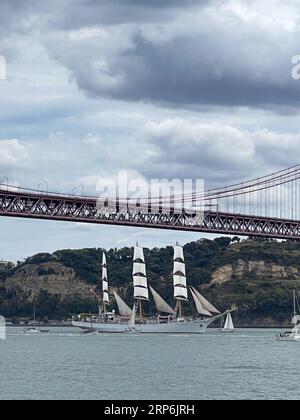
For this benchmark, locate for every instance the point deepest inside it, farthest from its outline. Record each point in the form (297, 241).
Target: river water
(64, 364)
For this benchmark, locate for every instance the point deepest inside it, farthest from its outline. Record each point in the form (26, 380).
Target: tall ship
(168, 320)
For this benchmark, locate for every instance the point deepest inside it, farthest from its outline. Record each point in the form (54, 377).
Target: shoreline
(245, 327)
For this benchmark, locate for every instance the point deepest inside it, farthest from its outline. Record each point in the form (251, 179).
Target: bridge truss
(266, 207)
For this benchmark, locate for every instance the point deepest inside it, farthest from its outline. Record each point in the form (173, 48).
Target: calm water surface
(249, 364)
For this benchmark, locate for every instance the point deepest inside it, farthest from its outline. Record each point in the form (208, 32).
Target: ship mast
(105, 283)
(179, 279)
(140, 282)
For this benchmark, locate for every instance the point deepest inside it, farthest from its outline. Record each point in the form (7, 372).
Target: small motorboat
(293, 335)
(89, 331)
(32, 331)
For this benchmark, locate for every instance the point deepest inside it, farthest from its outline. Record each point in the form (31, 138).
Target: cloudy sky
(163, 88)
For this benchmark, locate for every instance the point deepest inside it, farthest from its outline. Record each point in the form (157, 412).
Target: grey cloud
(206, 64)
(92, 12)
(14, 13)
(174, 53)
(75, 14)
(196, 71)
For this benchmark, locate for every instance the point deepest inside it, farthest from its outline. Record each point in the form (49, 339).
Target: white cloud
(218, 152)
(91, 138)
(14, 154)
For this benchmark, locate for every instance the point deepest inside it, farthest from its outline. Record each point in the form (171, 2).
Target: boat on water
(293, 335)
(167, 320)
(34, 330)
(229, 326)
(89, 332)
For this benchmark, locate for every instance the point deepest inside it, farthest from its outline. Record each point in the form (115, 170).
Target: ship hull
(173, 327)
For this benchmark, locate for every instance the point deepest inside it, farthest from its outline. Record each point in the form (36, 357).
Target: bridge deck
(85, 210)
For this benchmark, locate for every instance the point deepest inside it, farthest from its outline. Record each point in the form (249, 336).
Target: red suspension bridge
(263, 207)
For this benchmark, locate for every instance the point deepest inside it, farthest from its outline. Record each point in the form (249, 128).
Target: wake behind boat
(32, 331)
(168, 320)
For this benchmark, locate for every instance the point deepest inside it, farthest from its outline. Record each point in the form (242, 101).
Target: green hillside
(258, 276)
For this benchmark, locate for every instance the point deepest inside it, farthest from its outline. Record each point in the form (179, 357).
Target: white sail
(105, 298)
(229, 323)
(178, 254)
(139, 268)
(179, 275)
(105, 281)
(160, 303)
(180, 293)
(205, 303)
(200, 309)
(138, 254)
(179, 281)
(141, 293)
(131, 322)
(104, 273)
(124, 309)
(179, 268)
(139, 281)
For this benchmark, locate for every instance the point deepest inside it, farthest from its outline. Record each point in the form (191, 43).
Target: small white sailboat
(229, 326)
(33, 330)
(293, 335)
(131, 323)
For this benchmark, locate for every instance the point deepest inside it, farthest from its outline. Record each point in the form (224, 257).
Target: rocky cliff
(52, 277)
